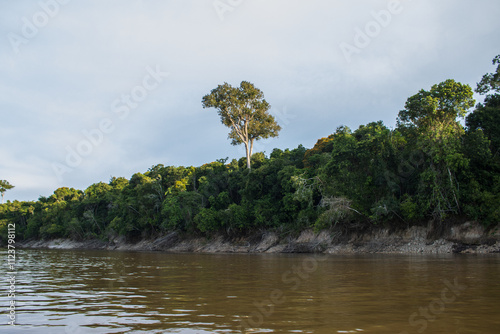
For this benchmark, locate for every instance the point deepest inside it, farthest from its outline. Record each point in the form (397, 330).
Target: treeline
(428, 167)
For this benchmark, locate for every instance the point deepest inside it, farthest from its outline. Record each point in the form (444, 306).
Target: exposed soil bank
(467, 237)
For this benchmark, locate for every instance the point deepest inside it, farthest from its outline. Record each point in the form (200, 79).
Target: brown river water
(77, 292)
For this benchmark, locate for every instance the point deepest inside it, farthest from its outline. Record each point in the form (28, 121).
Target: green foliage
(338, 210)
(65, 195)
(386, 209)
(490, 81)
(359, 167)
(489, 210)
(429, 167)
(97, 190)
(51, 231)
(486, 117)
(442, 104)
(324, 146)
(208, 220)
(304, 188)
(236, 217)
(409, 208)
(4, 186)
(180, 210)
(432, 119)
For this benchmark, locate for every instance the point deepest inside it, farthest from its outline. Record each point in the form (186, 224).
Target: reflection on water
(60, 291)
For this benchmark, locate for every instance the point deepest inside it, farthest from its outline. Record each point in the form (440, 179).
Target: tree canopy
(444, 102)
(428, 169)
(4, 186)
(245, 111)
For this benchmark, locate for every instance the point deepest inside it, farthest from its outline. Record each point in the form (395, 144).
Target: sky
(94, 89)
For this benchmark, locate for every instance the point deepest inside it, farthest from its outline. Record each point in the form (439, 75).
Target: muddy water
(61, 291)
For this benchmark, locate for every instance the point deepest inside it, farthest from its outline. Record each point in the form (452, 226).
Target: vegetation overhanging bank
(429, 168)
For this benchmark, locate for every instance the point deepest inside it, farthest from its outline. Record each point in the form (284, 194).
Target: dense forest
(430, 167)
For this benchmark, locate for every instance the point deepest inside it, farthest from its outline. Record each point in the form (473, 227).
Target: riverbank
(468, 237)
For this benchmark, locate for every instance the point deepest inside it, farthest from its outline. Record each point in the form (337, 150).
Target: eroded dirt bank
(467, 237)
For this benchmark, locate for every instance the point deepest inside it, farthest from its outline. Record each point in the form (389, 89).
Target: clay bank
(468, 237)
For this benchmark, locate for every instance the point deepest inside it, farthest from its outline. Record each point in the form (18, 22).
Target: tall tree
(245, 111)
(4, 186)
(430, 117)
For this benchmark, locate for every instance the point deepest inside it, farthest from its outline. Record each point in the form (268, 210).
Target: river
(83, 291)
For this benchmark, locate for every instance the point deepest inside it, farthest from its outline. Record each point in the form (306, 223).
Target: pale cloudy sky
(91, 89)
